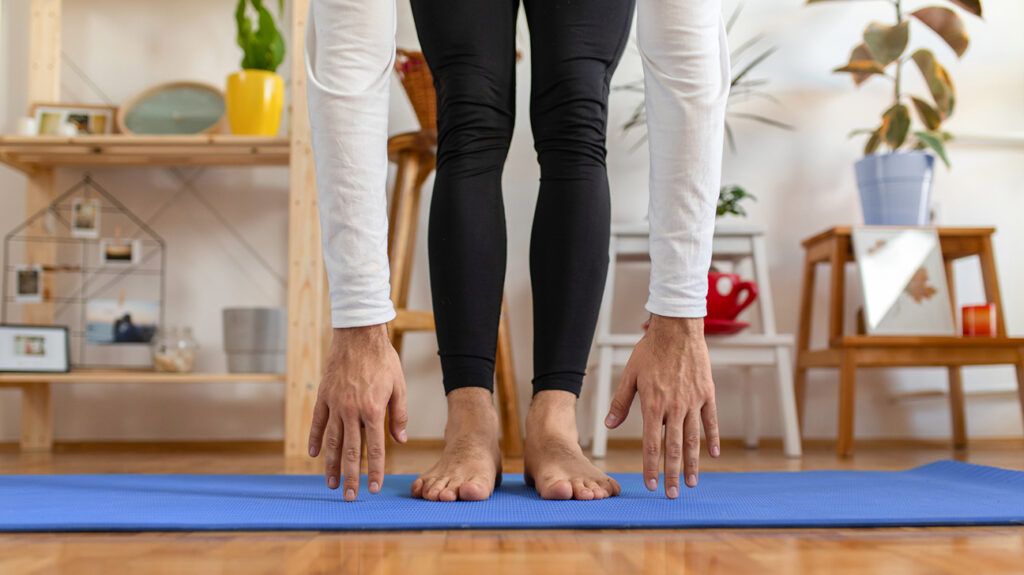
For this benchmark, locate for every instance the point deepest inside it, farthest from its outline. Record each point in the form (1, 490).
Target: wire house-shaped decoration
(89, 263)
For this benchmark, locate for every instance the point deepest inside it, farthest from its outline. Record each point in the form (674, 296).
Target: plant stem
(897, 84)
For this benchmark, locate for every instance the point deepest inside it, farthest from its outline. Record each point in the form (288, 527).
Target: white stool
(732, 245)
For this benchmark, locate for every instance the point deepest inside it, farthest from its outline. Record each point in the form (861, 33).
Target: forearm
(350, 48)
(686, 77)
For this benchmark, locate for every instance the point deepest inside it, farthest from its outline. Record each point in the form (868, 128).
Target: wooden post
(308, 315)
(43, 86)
(847, 403)
(957, 410)
(803, 337)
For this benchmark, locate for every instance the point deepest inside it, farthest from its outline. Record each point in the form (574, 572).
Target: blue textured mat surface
(942, 493)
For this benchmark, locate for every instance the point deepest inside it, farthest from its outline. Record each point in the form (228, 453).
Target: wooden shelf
(135, 376)
(29, 153)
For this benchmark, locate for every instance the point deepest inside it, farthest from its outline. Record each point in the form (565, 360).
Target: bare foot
(470, 467)
(554, 461)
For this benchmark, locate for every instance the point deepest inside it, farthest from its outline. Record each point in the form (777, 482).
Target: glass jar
(174, 350)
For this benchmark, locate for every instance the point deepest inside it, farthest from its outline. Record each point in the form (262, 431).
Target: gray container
(255, 339)
(896, 188)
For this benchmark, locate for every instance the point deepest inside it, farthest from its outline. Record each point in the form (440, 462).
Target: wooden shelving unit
(32, 153)
(38, 157)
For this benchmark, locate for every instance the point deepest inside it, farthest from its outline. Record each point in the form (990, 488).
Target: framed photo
(28, 284)
(120, 252)
(903, 279)
(34, 348)
(85, 218)
(111, 321)
(89, 119)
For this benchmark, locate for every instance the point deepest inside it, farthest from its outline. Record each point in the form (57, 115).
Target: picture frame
(90, 119)
(28, 283)
(34, 348)
(85, 218)
(118, 252)
(903, 280)
(120, 321)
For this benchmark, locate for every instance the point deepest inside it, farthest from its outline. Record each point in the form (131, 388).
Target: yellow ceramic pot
(254, 100)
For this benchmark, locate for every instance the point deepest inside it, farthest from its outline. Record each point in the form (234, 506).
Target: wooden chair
(414, 155)
(848, 352)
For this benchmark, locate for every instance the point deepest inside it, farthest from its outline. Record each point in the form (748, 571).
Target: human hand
(671, 371)
(363, 379)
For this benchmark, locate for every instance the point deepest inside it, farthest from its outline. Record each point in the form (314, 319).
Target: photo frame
(85, 218)
(120, 321)
(34, 348)
(28, 283)
(118, 252)
(903, 279)
(89, 119)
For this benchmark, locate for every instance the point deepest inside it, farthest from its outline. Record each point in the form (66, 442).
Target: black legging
(470, 47)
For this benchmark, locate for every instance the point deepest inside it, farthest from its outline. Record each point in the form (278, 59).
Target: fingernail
(332, 482)
(691, 480)
(611, 420)
(403, 436)
(673, 492)
(715, 451)
(652, 484)
(350, 495)
(374, 486)
(312, 452)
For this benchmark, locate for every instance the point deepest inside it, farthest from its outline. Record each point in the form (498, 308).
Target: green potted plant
(895, 186)
(255, 94)
(742, 88)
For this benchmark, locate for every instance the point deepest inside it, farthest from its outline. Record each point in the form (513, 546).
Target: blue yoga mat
(942, 493)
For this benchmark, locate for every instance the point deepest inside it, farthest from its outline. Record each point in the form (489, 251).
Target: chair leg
(847, 404)
(956, 408)
(800, 396)
(787, 404)
(602, 399)
(508, 393)
(751, 410)
(36, 417)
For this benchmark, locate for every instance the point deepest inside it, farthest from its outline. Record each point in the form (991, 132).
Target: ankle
(552, 412)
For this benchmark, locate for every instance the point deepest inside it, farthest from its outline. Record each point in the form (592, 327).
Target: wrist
(676, 327)
(365, 335)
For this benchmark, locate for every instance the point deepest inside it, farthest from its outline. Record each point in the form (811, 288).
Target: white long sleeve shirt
(350, 50)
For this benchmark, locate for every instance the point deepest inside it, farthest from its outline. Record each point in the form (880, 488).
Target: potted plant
(742, 88)
(255, 95)
(895, 187)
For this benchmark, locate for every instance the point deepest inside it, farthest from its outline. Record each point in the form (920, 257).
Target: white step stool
(733, 245)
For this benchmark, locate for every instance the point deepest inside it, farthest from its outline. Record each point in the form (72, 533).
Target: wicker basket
(419, 86)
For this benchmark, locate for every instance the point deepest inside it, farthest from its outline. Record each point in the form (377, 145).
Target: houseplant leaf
(873, 142)
(886, 43)
(935, 143)
(939, 82)
(862, 65)
(947, 24)
(929, 115)
(972, 6)
(896, 125)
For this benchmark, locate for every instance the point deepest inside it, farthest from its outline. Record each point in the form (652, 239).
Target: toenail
(673, 492)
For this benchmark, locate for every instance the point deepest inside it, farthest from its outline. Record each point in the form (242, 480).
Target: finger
(398, 416)
(691, 447)
(373, 426)
(709, 414)
(333, 437)
(673, 454)
(652, 447)
(316, 429)
(351, 452)
(621, 401)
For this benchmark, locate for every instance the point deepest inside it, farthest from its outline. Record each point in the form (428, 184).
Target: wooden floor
(960, 551)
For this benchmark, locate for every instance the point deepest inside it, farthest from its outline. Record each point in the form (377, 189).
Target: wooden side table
(848, 352)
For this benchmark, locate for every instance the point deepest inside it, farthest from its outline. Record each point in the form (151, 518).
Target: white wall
(803, 181)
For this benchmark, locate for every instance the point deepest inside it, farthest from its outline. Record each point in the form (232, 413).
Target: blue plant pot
(896, 188)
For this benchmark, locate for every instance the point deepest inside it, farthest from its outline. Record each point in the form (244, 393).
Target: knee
(570, 119)
(476, 116)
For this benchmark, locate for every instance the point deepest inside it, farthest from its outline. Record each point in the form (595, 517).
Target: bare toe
(595, 487)
(450, 493)
(558, 489)
(436, 488)
(417, 487)
(475, 489)
(581, 491)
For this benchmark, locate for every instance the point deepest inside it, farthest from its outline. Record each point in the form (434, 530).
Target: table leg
(36, 417)
(751, 409)
(956, 408)
(803, 338)
(847, 403)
